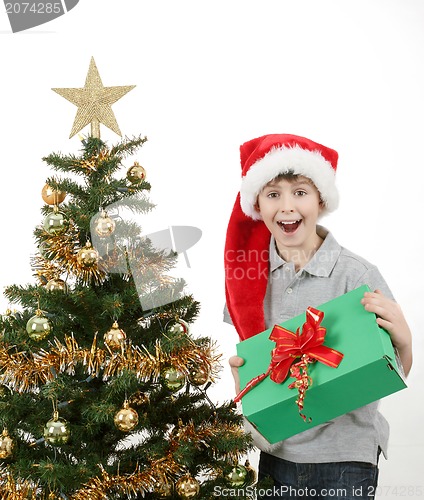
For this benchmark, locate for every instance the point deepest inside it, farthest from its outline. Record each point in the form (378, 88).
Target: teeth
(288, 222)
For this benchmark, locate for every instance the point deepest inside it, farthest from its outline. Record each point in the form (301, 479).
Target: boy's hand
(391, 318)
(235, 362)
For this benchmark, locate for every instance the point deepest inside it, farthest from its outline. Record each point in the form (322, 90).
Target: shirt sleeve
(227, 317)
(373, 278)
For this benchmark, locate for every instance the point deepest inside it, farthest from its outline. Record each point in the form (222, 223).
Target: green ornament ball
(173, 379)
(38, 327)
(56, 431)
(238, 476)
(55, 223)
(44, 250)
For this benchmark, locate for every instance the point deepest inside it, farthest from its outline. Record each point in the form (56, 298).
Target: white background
(209, 76)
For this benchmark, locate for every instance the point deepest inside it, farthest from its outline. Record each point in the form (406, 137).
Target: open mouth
(289, 226)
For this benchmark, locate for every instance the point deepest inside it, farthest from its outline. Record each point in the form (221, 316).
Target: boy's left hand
(391, 318)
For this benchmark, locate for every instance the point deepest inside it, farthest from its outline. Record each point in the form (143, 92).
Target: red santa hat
(247, 242)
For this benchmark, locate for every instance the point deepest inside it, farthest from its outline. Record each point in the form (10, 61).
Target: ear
(256, 206)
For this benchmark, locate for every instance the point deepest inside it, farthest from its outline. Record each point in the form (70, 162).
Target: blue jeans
(331, 481)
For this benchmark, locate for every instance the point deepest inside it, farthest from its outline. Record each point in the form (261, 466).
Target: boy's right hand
(235, 362)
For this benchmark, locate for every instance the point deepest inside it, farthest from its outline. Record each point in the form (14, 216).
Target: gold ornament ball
(38, 327)
(5, 392)
(115, 337)
(173, 379)
(56, 431)
(6, 445)
(51, 196)
(164, 489)
(55, 223)
(136, 174)
(104, 226)
(178, 326)
(252, 476)
(44, 250)
(126, 418)
(87, 256)
(198, 375)
(56, 284)
(238, 476)
(187, 487)
(139, 398)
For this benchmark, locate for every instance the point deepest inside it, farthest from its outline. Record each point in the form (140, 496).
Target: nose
(286, 204)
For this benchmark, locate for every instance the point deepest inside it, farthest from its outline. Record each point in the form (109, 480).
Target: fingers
(391, 318)
(387, 325)
(377, 295)
(389, 315)
(236, 361)
(377, 303)
(378, 309)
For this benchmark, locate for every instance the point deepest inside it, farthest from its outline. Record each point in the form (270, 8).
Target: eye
(300, 192)
(272, 194)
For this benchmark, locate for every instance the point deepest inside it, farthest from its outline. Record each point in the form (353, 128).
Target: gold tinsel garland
(25, 372)
(203, 433)
(15, 489)
(97, 488)
(60, 255)
(164, 469)
(92, 163)
(139, 481)
(45, 270)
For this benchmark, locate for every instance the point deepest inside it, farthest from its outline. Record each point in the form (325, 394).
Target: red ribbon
(291, 346)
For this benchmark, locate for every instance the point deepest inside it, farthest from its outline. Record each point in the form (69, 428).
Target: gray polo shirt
(331, 272)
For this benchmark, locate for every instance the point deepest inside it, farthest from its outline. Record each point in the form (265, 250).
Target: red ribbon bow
(291, 346)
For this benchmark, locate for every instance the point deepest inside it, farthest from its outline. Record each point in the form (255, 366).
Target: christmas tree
(103, 389)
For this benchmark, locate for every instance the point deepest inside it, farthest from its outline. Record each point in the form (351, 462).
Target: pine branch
(128, 146)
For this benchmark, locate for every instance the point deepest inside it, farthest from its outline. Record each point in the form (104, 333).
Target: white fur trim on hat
(294, 159)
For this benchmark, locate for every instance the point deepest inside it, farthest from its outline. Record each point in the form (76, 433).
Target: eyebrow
(297, 183)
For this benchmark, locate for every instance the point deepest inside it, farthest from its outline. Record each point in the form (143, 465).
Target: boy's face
(290, 210)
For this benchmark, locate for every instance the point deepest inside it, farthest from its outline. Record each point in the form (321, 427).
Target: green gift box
(367, 372)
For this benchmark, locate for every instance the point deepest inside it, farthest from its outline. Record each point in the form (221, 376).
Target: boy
(278, 261)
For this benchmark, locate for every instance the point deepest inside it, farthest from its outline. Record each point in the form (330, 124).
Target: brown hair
(290, 176)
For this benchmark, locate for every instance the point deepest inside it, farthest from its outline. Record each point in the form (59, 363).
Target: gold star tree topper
(94, 103)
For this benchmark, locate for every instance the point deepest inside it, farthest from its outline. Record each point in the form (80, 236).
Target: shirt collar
(323, 261)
